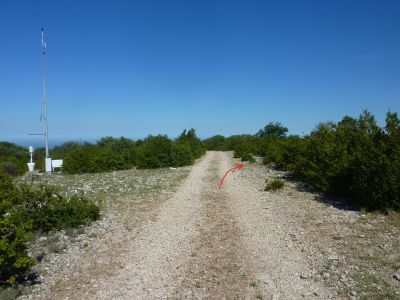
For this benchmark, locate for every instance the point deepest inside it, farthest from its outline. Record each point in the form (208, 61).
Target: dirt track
(200, 243)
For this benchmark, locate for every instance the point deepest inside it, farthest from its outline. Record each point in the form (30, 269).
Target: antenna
(46, 126)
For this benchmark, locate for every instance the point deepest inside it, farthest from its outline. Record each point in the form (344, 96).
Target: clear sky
(137, 67)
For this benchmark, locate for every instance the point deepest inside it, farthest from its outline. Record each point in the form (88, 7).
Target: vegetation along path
(196, 242)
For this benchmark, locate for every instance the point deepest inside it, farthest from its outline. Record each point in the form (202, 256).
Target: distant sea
(38, 142)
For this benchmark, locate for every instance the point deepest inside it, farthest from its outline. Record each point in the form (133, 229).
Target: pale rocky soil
(170, 234)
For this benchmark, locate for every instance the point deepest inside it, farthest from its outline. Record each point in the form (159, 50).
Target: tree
(273, 129)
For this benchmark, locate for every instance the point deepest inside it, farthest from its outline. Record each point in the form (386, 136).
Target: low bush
(244, 148)
(155, 152)
(91, 159)
(216, 142)
(181, 155)
(13, 159)
(14, 260)
(48, 210)
(111, 154)
(10, 168)
(159, 151)
(274, 184)
(247, 157)
(24, 210)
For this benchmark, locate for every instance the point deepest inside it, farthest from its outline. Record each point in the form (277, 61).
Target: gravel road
(238, 242)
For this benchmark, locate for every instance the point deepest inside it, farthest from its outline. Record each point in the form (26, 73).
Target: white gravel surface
(274, 239)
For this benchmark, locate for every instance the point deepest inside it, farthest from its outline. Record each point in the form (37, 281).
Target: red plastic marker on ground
(238, 166)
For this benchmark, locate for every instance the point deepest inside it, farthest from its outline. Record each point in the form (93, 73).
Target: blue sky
(137, 67)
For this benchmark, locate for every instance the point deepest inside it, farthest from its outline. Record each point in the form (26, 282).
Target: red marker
(238, 166)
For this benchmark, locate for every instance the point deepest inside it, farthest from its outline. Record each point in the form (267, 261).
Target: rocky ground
(170, 234)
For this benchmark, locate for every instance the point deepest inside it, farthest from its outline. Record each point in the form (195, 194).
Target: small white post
(31, 164)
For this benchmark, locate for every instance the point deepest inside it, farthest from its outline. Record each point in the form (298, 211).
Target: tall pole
(46, 127)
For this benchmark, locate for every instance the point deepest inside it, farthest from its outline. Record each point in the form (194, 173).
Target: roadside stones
(303, 276)
(265, 278)
(64, 237)
(43, 239)
(397, 275)
(107, 224)
(333, 257)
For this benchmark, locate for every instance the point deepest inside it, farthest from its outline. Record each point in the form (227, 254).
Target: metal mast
(46, 126)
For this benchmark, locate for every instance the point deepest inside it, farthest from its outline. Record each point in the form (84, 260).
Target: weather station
(48, 161)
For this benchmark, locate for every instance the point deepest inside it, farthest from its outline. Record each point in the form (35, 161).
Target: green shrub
(39, 159)
(91, 159)
(354, 158)
(247, 157)
(244, 147)
(160, 152)
(234, 141)
(375, 165)
(274, 184)
(24, 210)
(181, 155)
(126, 148)
(8, 193)
(49, 210)
(60, 151)
(273, 130)
(13, 159)
(216, 142)
(14, 260)
(155, 152)
(273, 151)
(10, 168)
(111, 154)
(190, 139)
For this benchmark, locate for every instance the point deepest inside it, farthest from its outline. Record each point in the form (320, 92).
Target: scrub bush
(13, 159)
(92, 158)
(48, 210)
(245, 147)
(14, 261)
(160, 152)
(191, 140)
(155, 152)
(354, 158)
(24, 210)
(273, 130)
(274, 184)
(216, 142)
(111, 154)
(126, 148)
(181, 155)
(247, 157)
